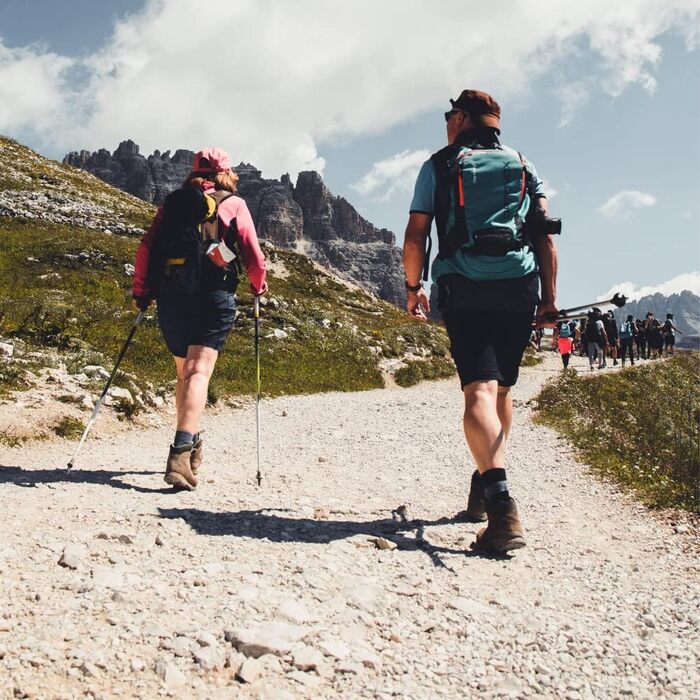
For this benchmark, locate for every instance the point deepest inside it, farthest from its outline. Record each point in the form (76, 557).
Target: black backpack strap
(426, 264)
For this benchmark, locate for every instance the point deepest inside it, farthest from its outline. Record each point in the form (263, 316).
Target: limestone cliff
(305, 216)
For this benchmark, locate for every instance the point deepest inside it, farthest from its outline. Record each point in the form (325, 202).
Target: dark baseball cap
(481, 107)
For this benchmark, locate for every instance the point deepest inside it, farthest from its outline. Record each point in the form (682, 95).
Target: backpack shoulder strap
(210, 228)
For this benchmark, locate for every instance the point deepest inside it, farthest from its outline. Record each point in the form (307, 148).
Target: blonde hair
(225, 180)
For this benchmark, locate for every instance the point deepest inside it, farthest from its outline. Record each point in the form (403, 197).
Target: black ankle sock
(495, 485)
(182, 437)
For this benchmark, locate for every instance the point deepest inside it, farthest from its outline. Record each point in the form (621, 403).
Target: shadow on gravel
(101, 477)
(264, 524)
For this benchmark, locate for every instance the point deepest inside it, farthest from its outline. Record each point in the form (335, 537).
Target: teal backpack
(486, 195)
(626, 331)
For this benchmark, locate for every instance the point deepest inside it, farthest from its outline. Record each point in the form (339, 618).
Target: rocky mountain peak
(304, 215)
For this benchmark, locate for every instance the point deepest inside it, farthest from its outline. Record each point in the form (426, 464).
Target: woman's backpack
(178, 265)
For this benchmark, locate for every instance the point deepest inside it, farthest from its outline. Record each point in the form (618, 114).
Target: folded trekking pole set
(576, 312)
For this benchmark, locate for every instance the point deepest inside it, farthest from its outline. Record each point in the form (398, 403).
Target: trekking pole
(618, 300)
(101, 400)
(256, 310)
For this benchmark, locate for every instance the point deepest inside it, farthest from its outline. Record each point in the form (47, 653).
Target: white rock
(206, 639)
(267, 638)
(295, 612)
(169, 673)
(307, 658)
(73, 555)
(7, 349)
(382, 543)
(278, 333)
(119, 392)
(209, 657)
(334, 648)
(96, 371)
(137, 665)
(249, 671)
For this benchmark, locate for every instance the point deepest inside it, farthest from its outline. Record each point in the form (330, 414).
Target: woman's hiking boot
(178, 472)
(476, 504)
(504, 531)
(197, 454)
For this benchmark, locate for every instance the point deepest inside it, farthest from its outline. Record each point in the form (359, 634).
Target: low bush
(416, 371)
(638, 426)
(69, 428)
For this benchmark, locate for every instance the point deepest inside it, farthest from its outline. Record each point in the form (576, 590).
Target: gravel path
(174, 594)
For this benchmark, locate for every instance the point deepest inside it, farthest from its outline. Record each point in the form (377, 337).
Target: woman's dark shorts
(203, 319)
(489, 327)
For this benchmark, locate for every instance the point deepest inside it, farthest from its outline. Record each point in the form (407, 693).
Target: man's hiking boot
(476, 505)
(504, 531)
(197, 454)
(178, 472)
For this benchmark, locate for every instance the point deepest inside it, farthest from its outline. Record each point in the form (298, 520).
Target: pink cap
(211, 160)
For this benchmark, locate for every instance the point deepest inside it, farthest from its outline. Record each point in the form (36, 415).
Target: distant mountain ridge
(304, 216)
(685, 307)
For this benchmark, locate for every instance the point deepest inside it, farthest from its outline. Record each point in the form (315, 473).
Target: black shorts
(203, 319)
(488, 343)
(669, 340)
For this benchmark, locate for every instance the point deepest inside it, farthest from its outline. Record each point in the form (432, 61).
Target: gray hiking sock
(182, 437)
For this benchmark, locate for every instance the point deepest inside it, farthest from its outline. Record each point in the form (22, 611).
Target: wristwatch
(413, 287)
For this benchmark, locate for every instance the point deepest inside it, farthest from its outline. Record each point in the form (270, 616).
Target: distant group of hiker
(599, 337)
(495, 271)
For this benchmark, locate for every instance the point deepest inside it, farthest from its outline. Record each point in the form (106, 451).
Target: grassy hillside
(638, 427)
(64, 285)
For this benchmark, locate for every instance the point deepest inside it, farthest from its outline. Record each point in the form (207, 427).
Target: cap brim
(490, 120)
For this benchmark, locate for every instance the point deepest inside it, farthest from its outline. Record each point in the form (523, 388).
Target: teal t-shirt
(517, 263)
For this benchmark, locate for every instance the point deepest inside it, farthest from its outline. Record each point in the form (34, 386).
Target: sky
(603, 99)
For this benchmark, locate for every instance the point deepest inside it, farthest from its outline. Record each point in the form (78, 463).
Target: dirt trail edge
(309, 587)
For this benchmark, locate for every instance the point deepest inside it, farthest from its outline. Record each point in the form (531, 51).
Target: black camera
(539, 224)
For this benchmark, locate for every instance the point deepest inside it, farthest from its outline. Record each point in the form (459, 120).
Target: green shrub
(416, 371)
(638, 426)
(82, 308)
(69, 428)
(531, 358)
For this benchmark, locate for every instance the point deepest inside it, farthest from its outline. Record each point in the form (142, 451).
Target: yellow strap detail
(175, 261)
(211, 206)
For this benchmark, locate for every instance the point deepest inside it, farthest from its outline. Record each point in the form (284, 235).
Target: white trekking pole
(256, 311)
(103, 396)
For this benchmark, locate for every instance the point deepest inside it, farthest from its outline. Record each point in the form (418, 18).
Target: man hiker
(655, 339)
(480, 193)
(640, 339)
(596, 339)
(669, 329)
(628, 332)
(611, 331)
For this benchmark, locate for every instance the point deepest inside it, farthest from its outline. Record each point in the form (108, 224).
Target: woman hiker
(195, 325)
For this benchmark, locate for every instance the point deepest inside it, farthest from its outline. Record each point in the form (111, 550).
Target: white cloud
(549, 191)
(394, 174)
(271, 81)
(32, 88)
(573, 96)
(622, 204)
(688, 280)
